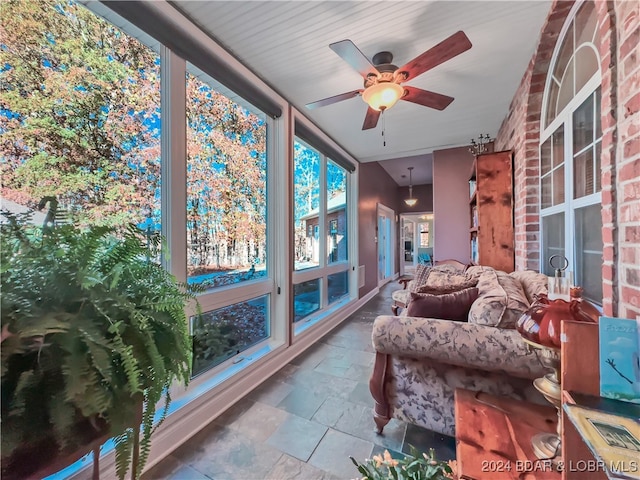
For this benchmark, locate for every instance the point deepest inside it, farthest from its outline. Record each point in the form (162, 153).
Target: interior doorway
(386, 244)
(416, 241)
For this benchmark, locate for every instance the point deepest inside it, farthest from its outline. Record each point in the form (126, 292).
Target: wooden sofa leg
(394, 309)
(376, 387)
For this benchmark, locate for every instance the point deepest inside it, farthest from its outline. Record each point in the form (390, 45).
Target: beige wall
(374, 186)
(451, 171)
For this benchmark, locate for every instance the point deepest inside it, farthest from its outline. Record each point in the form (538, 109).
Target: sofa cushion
(439, 281)
(448, 306)
(533, 283)
(424, 271)
(444, 281)
(474, 271)
(501, 300)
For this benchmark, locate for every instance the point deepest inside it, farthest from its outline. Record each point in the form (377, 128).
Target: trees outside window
(79, 115)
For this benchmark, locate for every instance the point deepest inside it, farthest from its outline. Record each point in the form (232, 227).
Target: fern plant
(93, 332)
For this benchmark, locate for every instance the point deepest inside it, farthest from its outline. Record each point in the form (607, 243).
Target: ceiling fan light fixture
(382, 95)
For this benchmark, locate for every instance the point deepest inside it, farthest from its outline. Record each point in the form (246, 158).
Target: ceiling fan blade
(334, 99)
(426, 98)
(445, 50)
(371, 119)
(351, 54)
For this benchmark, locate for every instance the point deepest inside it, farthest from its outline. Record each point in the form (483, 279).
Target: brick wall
(619, 31)
(520, 132)
(624, 253)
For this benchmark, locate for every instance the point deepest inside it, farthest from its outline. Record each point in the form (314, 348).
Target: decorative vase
(540, 327)
(540, 323)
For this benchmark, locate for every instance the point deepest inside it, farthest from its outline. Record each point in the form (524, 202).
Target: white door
(386, 244)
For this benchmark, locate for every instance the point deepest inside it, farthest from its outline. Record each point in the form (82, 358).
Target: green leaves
(93, 329)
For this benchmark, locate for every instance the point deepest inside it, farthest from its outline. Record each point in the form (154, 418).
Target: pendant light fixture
(410, 201)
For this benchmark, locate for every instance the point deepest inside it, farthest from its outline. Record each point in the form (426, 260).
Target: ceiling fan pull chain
(384, 139)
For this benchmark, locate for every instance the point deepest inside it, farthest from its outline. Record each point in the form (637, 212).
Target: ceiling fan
(382, 80)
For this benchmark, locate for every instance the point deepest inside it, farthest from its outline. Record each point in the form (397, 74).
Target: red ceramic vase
(540, 323)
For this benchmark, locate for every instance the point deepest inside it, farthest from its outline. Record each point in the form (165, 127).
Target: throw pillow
(420, 277)
(439, 282)
(501, 300)
(449, 306)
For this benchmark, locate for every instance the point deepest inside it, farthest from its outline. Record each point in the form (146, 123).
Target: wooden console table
(493, 437)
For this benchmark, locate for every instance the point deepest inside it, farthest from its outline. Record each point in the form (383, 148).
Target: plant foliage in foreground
(414, 466)
(92, 329)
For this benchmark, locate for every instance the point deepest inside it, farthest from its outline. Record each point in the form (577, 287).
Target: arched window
(570, 147)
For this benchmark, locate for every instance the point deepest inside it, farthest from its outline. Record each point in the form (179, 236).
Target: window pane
(558, 186)
(566, 87)
(585, 23)
(338, 286)
(552, 240)
(306, 299)
(226, 187)
(566, 51)
(545, 157)
(545, 188)
(586, 66)
(80, 115)
(336, 213)
(554, 89)
(583, 125)
(558, 146)
(588, 238)
(583, 174)
(306, 185)
(220, 334)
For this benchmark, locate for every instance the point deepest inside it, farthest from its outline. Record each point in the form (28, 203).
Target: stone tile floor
(306, 420)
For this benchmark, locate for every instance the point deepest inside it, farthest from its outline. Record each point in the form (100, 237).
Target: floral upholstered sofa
(421, 359)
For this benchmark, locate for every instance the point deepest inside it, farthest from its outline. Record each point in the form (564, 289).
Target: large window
(114, 127)
(306, 185)
(226, 187)
(570, 182)
(79, 116)
(320, 225)
(226, 217)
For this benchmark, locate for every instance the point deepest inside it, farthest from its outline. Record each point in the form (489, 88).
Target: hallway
(306, 420)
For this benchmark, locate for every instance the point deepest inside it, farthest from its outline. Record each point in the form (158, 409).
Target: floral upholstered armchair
(422, 356)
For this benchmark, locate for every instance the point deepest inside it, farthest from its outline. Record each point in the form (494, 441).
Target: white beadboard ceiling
(286, 43)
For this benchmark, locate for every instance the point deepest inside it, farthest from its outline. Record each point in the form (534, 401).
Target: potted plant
(414, 466)
(94, 333)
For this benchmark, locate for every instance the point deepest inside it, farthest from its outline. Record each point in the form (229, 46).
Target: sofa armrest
(456, 343)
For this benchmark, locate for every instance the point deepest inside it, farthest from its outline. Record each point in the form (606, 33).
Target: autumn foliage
(80, 120)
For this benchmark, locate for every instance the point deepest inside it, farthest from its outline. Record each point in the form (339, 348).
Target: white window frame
(570, 205)
(324, 268)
